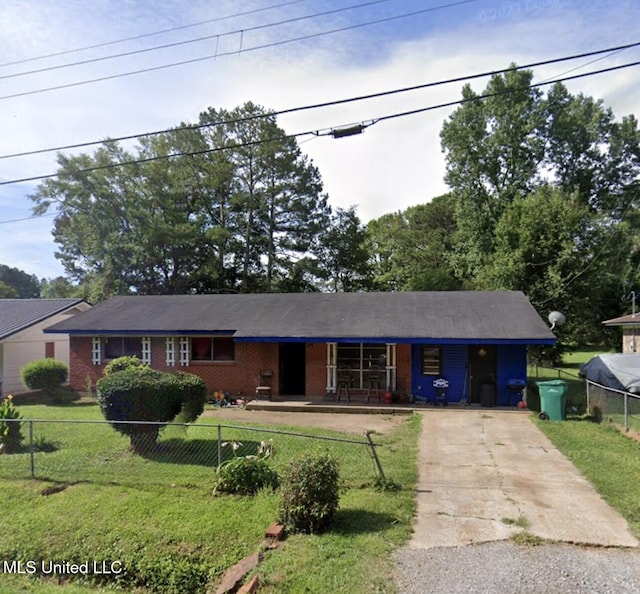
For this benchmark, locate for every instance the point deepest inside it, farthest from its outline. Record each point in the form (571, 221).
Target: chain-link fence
(616, 406)
(173, 454)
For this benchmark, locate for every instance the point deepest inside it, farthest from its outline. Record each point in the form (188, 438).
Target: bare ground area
(343, 422)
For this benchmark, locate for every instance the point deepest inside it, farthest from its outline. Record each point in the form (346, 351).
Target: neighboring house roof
(19, 314)
(629, 320)
(410, 316)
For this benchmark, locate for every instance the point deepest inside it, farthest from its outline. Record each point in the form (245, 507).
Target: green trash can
(553, 399)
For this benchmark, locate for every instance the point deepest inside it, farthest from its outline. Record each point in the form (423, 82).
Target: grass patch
(520, 522)
(156, 515)
(607, 458)
(526, 539)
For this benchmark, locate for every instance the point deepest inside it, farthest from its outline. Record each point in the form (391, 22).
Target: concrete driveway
(486, 475)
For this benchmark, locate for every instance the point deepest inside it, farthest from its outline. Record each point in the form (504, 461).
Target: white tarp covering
(614, 370)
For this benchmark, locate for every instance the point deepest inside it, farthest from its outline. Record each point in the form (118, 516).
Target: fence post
(375, 456)
(588, 403)
(219, 446)
(31, 451)
(626, 413)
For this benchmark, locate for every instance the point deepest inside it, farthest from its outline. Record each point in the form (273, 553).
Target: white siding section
(28, 345)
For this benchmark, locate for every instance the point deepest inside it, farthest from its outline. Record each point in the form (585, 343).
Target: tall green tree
(411, 249)
(517, 140)
(24, 286)
(342, 255)
(237, 212)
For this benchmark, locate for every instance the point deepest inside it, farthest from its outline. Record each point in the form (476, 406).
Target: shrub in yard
(310, 493)
(193, 393)
(10, 435)
(139, 394)
(123, 363)
(245, 476)
(44, 374)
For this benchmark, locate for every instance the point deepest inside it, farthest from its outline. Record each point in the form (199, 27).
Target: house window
(207, 348)
(362, 360)
(49, 350)
(431, 360)
(122, 346)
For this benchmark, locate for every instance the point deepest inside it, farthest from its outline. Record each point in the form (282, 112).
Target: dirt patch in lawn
(343, 422)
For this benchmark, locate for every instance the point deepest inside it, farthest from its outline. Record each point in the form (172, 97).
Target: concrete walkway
(486, 475)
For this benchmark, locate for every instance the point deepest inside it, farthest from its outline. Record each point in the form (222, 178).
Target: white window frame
(96, 350)
(170, 351)
(146, 349)
(185, 350)
(332, 359)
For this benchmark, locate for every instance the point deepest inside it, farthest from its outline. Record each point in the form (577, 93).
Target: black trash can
(487, 394)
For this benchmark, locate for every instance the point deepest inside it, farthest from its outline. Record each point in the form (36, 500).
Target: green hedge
(44, 374)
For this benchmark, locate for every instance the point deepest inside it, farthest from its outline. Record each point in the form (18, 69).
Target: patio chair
(263, 389)
(374, 383)
(343, 382)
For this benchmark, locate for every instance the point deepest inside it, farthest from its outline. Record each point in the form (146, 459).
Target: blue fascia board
(399, 340)
(143, 332)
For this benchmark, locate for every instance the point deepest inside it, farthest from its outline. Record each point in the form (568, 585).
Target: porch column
(391, 366)
(332, 362)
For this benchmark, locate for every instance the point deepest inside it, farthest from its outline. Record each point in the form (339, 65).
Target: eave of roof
(628, 320)
(464, 316)
(17, 315)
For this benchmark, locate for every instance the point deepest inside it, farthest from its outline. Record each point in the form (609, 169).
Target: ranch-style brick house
(308, 343)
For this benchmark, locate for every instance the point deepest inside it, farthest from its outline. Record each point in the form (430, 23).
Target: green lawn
(156, 515)
(605, 456)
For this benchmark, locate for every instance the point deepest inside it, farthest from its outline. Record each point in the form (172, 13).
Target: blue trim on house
(143, 332)
(399, 340)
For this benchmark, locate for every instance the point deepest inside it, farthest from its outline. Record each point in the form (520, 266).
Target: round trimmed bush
(139, 394)
(122, 363)
(44, 374)
(193, 394)
(310, 493)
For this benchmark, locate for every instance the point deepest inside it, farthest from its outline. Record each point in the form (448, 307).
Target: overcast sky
(392, 165)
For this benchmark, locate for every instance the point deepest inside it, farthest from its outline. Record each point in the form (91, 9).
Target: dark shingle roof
(19, 314)
(502, 315)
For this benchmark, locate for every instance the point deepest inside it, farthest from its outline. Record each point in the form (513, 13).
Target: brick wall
(403, 367)
(316, 370)
(236, 377)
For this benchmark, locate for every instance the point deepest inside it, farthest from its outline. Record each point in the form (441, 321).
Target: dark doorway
(292, 368)
(482, 374)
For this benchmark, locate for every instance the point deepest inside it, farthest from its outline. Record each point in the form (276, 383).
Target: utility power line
(332, 103)
(194, 40)
(150, 34)
(240, 50)
(322, 132)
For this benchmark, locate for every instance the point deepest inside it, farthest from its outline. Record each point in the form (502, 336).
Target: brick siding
(236, 377)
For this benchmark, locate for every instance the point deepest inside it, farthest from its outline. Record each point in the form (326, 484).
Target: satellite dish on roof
(556, 318)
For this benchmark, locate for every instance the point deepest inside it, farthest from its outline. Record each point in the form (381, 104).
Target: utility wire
(151, 34)
(235, 52)
(322, 132)
(240, 32)
(328, 103)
